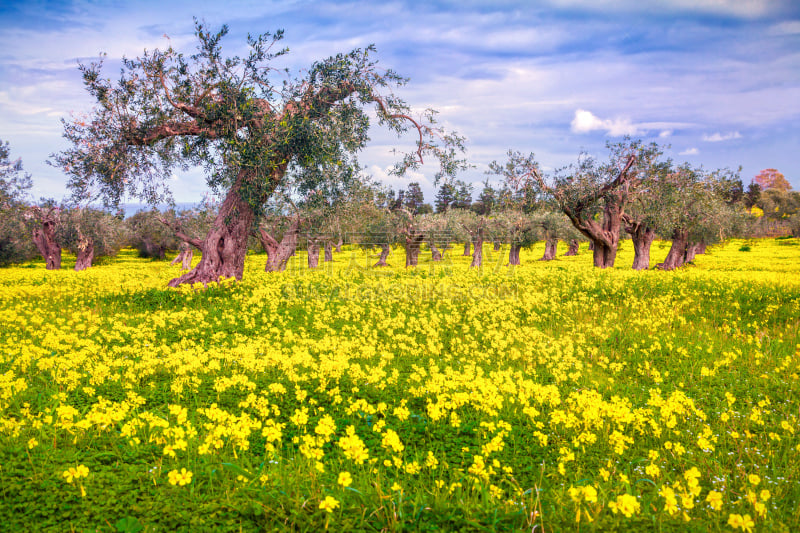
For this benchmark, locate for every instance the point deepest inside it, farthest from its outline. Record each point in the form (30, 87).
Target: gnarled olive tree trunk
(385, 251)
(466, 248)
(573, 247)
(45, 240)
(85, 255)
(677, 252)
(693, 249)
(413, 243)
(497, 246)
(225, 247)
(313, 254)
(550, 250)
(436, 254)
(642, 237)
(184, 257)
(513, 254)
(477, 255)
(278, 254)
(328, 251)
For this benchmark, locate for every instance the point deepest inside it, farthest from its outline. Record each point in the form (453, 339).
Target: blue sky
(717, 80)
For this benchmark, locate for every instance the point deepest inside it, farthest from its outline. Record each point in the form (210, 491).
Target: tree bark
(413, 243)
(339, 244)
(691, 251)
(45, 241)
(436, 255)
(550, 250)
(677, 252)
(85, 256)
(328, 251)
(225, 247)
(313, 254)
(497, 246)
(151, 249)
(466, 248)
(385, 251)
(184, 257)
(642, 237)
(278, 254)
(701, 248)
(591, 245)
(477, 255)
(573, 247)
(513, 254)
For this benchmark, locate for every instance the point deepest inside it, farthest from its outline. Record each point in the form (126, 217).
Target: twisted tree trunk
(677, 252)
(385, 251)
(278, 254)
(550, 250)
(466, 248)
(691, 251)
(477, 255)
(45, 240)
(497, 246)
(513, 254)
(328, 251)
(436, 255)
(339, 244)
(642, 237)
(413, 243)
(573, 247)
(85, 255)
(184, 257)
(225, 247)
(313, 254)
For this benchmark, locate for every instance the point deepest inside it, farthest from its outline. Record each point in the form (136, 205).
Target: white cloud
(690, 151)
(585, 121)
(664, 134)
(789, 27)
(717, 137)
(737, 8)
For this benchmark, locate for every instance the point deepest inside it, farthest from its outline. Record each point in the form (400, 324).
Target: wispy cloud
(690, 151)
(719, 137)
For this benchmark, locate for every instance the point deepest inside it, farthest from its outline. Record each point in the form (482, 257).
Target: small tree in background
(15, 245)
(89, 234)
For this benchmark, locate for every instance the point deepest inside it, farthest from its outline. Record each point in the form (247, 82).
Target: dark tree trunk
(642, 237)
(84, 257)
(328, 251)
(497, 246)
(385, 251)
(45, 241)
(573, 247)
(550, 250)
(436, 255)
(339, 245)
(278, 254)
(477, 255)
(701, 248)
(150, 249)
(466, 248)
(225, 247)
(691, 251)
(677, 252)
(591, 245)
(413, 244)
(313, 254)
(513, 254)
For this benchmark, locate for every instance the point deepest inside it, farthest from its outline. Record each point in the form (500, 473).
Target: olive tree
(244, 123)
(15, 245)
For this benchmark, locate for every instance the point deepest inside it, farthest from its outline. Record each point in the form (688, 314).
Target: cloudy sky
(717, 80)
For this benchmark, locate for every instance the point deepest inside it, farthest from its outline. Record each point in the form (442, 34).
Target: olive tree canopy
(242, 120)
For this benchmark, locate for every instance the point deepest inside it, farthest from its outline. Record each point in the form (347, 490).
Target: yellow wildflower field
(550, 395)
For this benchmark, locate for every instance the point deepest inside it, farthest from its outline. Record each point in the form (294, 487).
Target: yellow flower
(329, 504)
(741, 521)
(75, 473)
(625, 504)
(345, 479)
(714, 499)
(396, 487)
(754, 479)
(184, 477)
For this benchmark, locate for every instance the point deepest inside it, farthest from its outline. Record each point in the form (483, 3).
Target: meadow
(552, 396)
